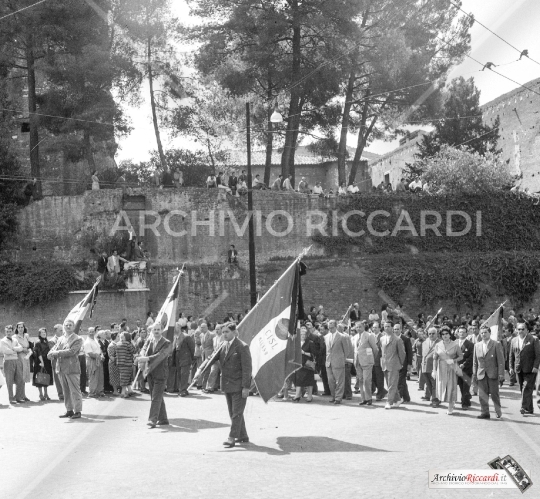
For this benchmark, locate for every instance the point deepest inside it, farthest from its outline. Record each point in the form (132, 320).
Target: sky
(516, 21)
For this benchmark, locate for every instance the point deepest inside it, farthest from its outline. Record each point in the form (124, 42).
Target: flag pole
(430, 323)
(180, 273)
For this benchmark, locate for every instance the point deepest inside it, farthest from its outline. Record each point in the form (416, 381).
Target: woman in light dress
(95, 181)
(446, 358)
(24, 340)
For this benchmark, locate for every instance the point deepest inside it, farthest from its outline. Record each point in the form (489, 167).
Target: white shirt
(287, 185)
(91, 346)
(520, 341)
(317, 189)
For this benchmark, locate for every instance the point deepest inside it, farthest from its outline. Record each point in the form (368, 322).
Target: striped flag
(270, 331)
(494, 322)
(167, 314)
(87, 304)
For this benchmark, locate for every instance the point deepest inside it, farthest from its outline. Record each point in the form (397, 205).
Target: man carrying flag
(66, 352)
(235, 361)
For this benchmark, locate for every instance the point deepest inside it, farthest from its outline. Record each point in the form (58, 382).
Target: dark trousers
(158, 411)
(197, 361)
(513, 378)
(106, 382)
(430, 387)
(403, 389)
(378, 382)
(464, 384)
(236, 404)
(14, 375)
(487, 387)
(347, 393)
(182, 377)
(324, 378)
(527, 382)
(172, 384)
(82, 362)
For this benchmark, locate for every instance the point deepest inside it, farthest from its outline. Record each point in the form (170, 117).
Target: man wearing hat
(235, 360)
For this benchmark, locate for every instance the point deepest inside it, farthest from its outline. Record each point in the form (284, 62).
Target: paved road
(297, 450)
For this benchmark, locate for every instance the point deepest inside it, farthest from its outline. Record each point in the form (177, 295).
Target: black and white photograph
(269, 248)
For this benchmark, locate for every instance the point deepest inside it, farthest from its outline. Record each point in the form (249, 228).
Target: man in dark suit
(403, 389)
(464, 382)
(184, 352)
(154, 356)
(235, 360)
(321, 359)
(232, 255)
(102, 263)
(377, 375)
(233, 183)
(524, 360)
(488, 369)
(428, 349)
(355, 314)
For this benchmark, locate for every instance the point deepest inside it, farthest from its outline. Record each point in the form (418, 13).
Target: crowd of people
(453, 359)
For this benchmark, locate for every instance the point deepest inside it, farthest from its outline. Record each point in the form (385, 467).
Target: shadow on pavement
(97, 418)
(290, 445)
(191, 425)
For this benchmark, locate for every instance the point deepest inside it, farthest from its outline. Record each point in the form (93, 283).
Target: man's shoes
(242, 440)
(229, 443)
(337, 402)
(525, 411)
(331, 401)
(279, 396)
(465, 407)
(483, 416)
(22, 401)
(388, 406)
(424, 398)
(163, 423)
(204, 390)
(151, 424)
(326, 394)
(499, 416)
(356, 391)
(435, 404)
(77, 415)
(369, 402)
(364, 402)
(183, 394)
(13, 402)
(348, 398)
(199, 387)
(60, 397)
(68, 414)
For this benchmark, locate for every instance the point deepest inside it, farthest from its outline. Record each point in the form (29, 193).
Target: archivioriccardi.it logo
(468, 479)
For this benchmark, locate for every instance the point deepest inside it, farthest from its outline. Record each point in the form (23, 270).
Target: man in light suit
(428, 349)
(338, 350)
(524, 360)
(377, 373)
(113, 263)
(66, 353)
(488, 369)
(366, 351)
(207, 346)
(154, 357)
(236, 366)
(464, 382)
(393, 358)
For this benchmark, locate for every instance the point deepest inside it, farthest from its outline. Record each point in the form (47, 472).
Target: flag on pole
(167, 314)
(494, 323)
(87, 304)
(270, 331)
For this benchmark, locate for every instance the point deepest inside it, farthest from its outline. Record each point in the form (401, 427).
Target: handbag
(310, 365)
(43, 378)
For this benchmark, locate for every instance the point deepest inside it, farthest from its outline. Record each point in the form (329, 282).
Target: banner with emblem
(270, 331)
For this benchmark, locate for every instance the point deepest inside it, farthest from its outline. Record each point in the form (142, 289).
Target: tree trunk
(88, 154)
(363, 135)
(269, 136)
(342, 148)
(33, 118)
(162, 159)
(287, 158)
(209, 146)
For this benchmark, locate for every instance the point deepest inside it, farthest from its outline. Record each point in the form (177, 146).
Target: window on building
(387, 178)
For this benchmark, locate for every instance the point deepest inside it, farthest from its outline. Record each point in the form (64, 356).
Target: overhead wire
(521, 52)
(20, 10)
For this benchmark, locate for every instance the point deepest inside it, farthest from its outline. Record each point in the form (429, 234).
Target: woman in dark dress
(42, 363)
(305, 377)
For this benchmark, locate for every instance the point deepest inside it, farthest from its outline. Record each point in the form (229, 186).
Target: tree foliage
(452, 170)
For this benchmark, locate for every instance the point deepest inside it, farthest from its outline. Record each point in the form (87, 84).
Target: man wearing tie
(377, 374)
(428, 349)
(464, 382)
(66, 353)
(488, 369)
(403, 389)
(154, 357)
(338, 349)
(392, 360)
(366, 352)
(235, 360)
(524, 360)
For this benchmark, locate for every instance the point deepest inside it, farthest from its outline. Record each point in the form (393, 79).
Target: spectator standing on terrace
(232, 254)
(167, 179)
(243, 177)
(113, 263)
(95, 181)
(219, 179)
(233, 183)
(303, 186)
(276, 186)
(211, 181)
(318, 189)
(287, 184)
